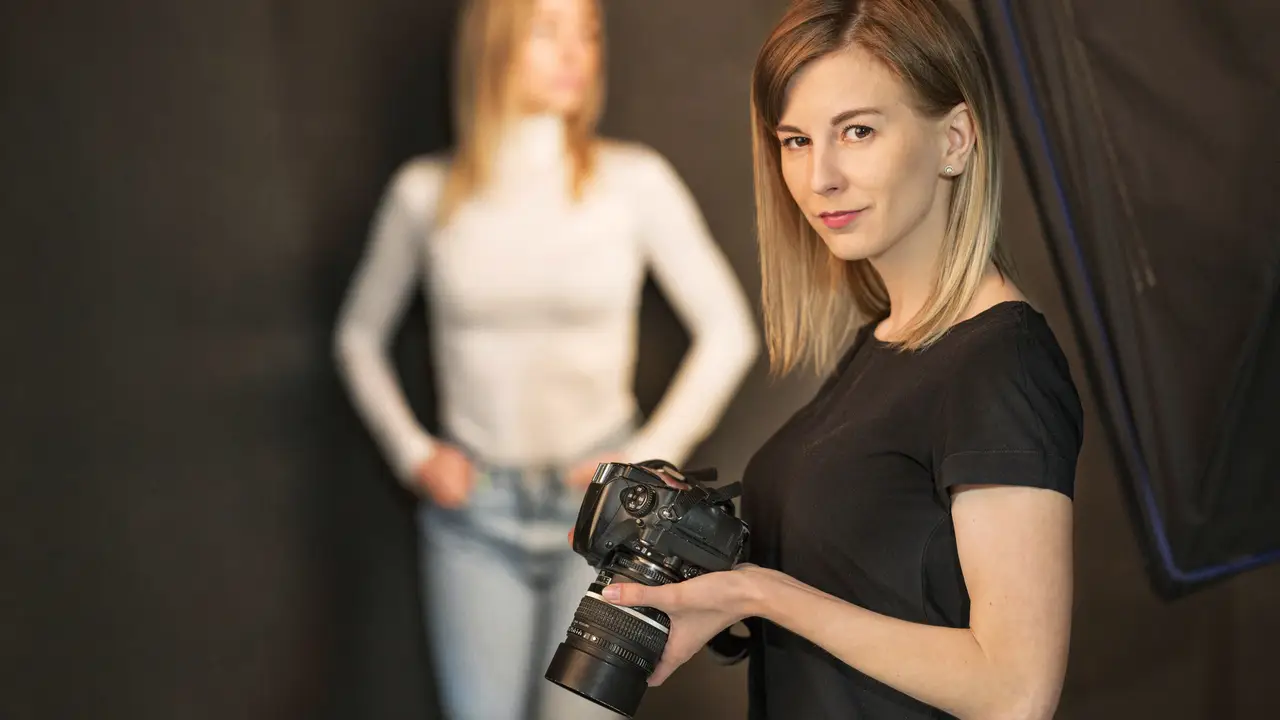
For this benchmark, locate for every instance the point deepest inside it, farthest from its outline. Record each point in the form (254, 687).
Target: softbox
(1149, 133)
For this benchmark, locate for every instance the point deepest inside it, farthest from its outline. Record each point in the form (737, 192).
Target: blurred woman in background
(531, 240)
(912, 525)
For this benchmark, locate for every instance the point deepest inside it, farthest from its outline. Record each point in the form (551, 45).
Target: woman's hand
(699, 609)
(446, 477)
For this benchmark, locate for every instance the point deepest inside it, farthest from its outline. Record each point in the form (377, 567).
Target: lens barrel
(610, 651)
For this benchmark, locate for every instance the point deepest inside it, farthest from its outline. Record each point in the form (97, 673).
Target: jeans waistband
(612, 441)
(524, 508)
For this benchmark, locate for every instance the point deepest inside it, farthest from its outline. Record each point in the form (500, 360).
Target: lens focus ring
(599, 614)
(582, 630)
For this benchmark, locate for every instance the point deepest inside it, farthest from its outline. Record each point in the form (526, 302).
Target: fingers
(448, 487)
(667, 665)
(660, 674)
(455, 494)
(451, 497)
(671, 480)
(581, 477)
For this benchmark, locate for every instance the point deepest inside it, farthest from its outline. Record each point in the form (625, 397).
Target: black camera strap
(699, 479)
(728, 492)
(729, 649)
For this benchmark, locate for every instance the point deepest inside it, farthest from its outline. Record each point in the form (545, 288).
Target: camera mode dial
(638, 500)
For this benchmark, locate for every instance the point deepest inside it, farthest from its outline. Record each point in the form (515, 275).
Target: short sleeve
(1011, 416)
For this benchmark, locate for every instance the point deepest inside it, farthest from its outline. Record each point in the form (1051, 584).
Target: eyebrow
(840, 118)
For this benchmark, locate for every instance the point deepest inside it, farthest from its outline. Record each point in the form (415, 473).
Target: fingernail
(611, 592)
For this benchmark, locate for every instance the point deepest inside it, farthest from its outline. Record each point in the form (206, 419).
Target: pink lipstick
(839, 219)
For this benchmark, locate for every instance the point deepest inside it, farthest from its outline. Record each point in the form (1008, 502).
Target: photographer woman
(532, 240)
(912, 525)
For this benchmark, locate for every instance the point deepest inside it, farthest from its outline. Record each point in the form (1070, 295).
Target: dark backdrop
(196, 526)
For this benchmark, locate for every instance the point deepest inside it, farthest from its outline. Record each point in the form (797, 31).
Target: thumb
(628, 594)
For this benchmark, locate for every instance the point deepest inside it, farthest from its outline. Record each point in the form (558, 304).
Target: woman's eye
(795, 142)
(857, 132)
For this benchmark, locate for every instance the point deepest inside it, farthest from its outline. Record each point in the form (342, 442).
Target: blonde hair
(490, 36)
(812, 300)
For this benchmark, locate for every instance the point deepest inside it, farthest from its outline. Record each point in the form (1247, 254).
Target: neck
(909, 268)
(537, 139)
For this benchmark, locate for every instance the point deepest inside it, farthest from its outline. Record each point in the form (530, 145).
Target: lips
(840, 218)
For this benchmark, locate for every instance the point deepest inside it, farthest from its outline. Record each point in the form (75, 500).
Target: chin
(849, 246)
(564, 105)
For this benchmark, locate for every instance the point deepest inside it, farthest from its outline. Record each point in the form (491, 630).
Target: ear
(959, 136)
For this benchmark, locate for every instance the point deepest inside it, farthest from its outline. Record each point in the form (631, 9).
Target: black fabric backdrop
(1149, 137)
(209, 532)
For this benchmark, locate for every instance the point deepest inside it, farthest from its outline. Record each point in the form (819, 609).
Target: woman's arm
(1010, 429)
(1015, 551)
(376, 299)
(702, 288)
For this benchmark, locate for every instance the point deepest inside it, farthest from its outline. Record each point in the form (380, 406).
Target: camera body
(629, 508)
(634, 526)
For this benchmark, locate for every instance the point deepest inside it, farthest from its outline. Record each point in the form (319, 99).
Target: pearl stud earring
(948, 170)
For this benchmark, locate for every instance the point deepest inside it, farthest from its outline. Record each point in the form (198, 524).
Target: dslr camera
(635, 527)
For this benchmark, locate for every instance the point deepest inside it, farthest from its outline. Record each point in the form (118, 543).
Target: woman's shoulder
(419, 181)
(1009, 341)
(998, 330)
(1008, 393)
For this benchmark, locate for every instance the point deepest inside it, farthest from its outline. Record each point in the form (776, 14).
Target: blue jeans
(500, 587)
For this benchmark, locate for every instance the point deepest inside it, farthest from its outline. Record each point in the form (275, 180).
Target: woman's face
(865, 168)
(558, 63)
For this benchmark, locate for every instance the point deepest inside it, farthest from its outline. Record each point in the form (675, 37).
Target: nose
(825, 177)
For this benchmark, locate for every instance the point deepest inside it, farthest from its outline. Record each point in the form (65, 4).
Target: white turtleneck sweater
(533, 301)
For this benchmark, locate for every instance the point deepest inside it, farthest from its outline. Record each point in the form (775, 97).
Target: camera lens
(610, 651)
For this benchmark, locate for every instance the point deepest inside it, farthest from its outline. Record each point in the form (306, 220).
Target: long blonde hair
(812, 300)
(490, 36)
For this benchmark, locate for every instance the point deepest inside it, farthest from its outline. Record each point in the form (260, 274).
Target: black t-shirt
(851, 494)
